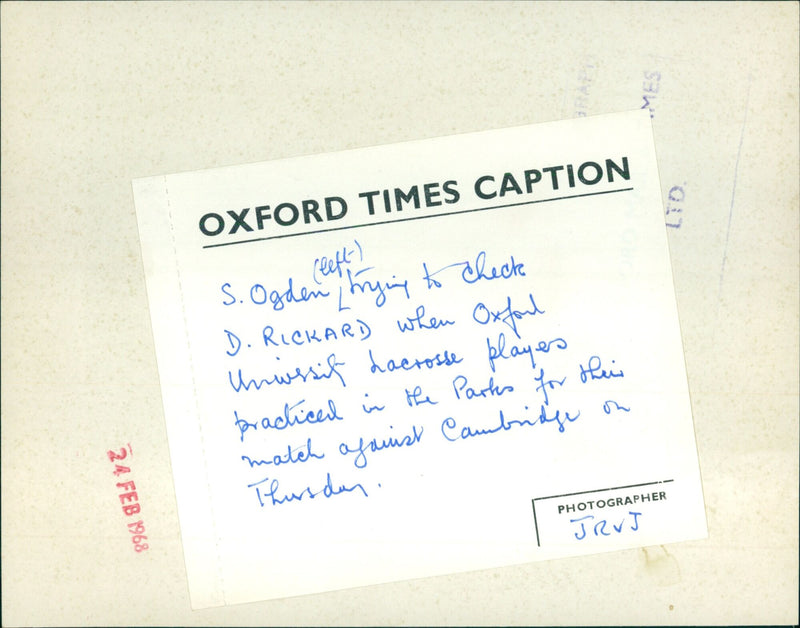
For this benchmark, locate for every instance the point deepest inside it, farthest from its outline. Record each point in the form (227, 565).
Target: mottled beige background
(94, 95)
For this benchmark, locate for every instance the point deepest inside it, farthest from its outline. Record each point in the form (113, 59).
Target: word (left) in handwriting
(324, 266)
(600, 528)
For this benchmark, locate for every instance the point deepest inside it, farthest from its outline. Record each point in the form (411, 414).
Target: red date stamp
(128, 497)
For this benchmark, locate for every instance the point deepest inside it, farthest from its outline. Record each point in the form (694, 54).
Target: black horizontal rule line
(602, 490)
(386, 222)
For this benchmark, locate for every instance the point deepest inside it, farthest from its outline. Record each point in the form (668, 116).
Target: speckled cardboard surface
(95, 95)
